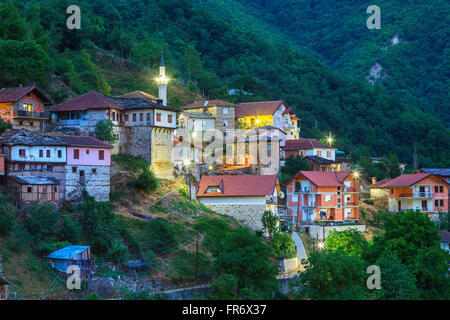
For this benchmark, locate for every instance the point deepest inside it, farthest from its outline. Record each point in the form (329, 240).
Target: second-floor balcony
(31, 114)
(289, 126)
(418, 194)
(351, 190)
(73, 122)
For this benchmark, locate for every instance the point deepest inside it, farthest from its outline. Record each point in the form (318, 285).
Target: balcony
(425, 194)
(351, 190)
(351, 204)
(289, 126)
(31, 115)
(73, 122)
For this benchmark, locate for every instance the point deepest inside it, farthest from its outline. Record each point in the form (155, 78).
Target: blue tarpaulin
(68, 252)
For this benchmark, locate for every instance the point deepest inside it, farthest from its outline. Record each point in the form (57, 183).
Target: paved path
(300, 247)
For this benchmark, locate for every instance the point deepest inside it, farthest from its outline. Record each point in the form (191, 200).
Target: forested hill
(412, 45)
(210, 54)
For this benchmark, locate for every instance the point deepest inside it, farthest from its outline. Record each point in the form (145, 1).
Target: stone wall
(6, 111)
(248, 214)
(137, 141)
(380, 198)
(161, 156)
(288, 265)
(318, 232)
(97, 185)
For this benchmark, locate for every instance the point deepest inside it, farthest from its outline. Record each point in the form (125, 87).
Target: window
(158, 117)
(55, 189)
(339, 202)
(328, 198)
(436, 203)
(31, 124)
(213, 189)
(134, 117)
(297, 187)
(392, 191)
(22, 153)
(76, 154)
(225, 123)
(94, 170)
(87, 151)
(302, 153)
(436, 189)
(74, 169)
(148, 116)
(30, 189)
(114, 116)
(269, 147)
(441, 202)
(328, 154)
(126, 117)
(41, 153)
(59, 154)
(101, 155)
(319, 153)
(169, 118)
(49, 168)
(48, 153)
(225, 110)
(44, 190)
(339, 190)
(441, 189)
(141, 117)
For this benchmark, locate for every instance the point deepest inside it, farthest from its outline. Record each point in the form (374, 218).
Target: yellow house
(251, 115)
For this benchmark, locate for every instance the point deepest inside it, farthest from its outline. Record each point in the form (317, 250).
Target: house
(87, 167)
(79, 256)
(31, 154)
(4, 284)
(379, 196)
(318, 195)
(319, 156)
(82, 113)
(23, 107)
(445, 240)
(137, 94)
(443, 174)
(243, 197)
(251, 115)
(420, 191)
(27, 189)
(222, 111)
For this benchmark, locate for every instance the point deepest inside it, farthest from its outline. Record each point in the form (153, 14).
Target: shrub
(283, 246)
(133, 163)
(41, 219)
(48, 247)
(6, 217)
(161, 236)
(118, 252)
(71, 230)
(147, 181)
(104, 131)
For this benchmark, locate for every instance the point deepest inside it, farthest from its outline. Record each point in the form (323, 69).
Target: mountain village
(52, 154)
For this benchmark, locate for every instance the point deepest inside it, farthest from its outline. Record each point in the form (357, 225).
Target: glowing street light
(210, 167)
(330, 139)
(321, 245)
(356, 174)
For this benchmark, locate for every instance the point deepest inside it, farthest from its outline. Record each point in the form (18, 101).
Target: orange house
(425, 192)
(23, 107)
(326, 196)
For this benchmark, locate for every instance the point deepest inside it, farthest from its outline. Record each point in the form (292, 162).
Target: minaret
(162, 81)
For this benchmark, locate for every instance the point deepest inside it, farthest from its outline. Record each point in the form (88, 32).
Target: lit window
(169, 118)
(158, 117)
(213, 189)
(22, 153)
(225, 110)
(319, 153)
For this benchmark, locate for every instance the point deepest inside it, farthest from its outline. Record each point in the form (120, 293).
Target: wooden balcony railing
(31, 114)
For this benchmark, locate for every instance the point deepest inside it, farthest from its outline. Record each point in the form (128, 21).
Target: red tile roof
(261, 108)
(138, 94)
(405, 180)
(445, 235)
(16, 93)
(84, 141)
(378, 184)
(324, 178)
(208, 103)
(305, 144)
(238, 186)
(91, 100)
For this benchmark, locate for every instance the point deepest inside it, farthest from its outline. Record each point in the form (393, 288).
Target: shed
(73, 255)
(30, 188)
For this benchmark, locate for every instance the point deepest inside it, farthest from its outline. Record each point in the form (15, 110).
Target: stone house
(319, 156)
(87, 167)
(328, 196)
(222, 111)
(379, 196)
(243, 197)
(23, 107)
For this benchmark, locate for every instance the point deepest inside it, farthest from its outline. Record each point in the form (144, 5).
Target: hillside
(207, 53)
(411, 46)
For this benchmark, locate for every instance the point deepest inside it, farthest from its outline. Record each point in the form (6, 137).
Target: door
(422, 191)
(424, 205)
(82, 178)
(399, 206)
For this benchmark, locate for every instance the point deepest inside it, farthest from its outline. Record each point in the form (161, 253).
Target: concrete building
(323, 196)
(244, 198)
(222, 111)
(319, 156)
(420, 191)
(23, 108)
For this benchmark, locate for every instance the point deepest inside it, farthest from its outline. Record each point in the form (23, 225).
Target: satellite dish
(281, 195)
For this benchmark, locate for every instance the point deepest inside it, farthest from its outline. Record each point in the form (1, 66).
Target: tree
(397, 281)
(350, 241)
(270, 223)
(292, 165)
(41, 219)
(333, 275)
(431, 269)
(104, 131)
(283, 245)
(247, 257)
(224, 288)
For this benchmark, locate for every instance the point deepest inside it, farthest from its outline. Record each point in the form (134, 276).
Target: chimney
(374, 180)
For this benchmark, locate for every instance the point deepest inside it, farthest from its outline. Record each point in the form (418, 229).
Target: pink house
(88, 167)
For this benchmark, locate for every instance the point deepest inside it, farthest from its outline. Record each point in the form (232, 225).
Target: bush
(147, 181)
(118, 252)
(133, 163)
(6, 217)
(283, 246)
(161, 236)
(41, 219)
(71, 230)
(48, 247)
(104, 131)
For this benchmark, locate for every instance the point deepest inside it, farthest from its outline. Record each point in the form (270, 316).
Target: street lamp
(321, 245)
(356, 174)
(330, 139)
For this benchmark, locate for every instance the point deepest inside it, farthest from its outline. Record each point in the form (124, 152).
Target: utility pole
(196, 260)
